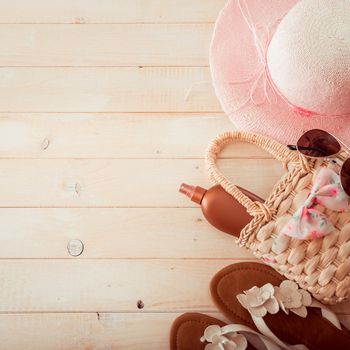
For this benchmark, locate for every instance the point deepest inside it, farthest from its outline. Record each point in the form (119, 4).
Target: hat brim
(234, 63)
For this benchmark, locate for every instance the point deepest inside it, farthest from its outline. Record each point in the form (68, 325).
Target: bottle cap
(195, 193)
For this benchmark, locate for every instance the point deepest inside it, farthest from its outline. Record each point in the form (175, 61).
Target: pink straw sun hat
(281, 67)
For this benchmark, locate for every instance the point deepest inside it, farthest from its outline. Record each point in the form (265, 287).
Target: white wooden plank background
(119, 182)
(97, 131)
(113, 135)
(106, 89)
(105, 45)
(110, 11)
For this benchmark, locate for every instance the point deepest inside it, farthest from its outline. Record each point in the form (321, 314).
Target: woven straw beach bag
(320, 265)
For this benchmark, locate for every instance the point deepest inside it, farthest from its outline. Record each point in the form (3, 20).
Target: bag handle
(277, 150)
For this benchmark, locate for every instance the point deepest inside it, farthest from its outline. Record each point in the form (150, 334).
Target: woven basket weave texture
(322, 265)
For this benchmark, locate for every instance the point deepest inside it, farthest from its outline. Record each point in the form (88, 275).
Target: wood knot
(77, 189)
(74, 187)
(79, 20)
(75, 247)
(45, 144)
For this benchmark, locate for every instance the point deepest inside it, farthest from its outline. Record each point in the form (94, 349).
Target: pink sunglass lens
(345, 176)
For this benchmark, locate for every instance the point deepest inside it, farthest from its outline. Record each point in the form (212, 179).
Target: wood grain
(115, 136)
(87, 331)
(113, 233)
(109, 11)
(105, 45)
(121, 182)
(109, 285)
(121, 89)
(106, 285)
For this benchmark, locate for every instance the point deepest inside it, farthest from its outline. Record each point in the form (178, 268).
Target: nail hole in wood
(140, 304)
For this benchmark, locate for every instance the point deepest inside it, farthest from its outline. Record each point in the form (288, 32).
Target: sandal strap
(327, 313)
(259, 341)
(287, 297)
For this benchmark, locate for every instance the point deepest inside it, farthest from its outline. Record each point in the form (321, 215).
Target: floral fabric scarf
(308, 222)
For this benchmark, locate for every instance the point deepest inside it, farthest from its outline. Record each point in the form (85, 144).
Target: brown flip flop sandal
(194, 331)
(257, 296)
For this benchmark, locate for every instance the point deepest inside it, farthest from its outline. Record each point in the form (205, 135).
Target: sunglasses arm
(346, 149)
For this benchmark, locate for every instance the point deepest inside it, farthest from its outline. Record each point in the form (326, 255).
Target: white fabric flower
(219, 341)
(290, 297)
(259, 301)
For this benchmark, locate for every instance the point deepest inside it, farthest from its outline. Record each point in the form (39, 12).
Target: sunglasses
(317, 143)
